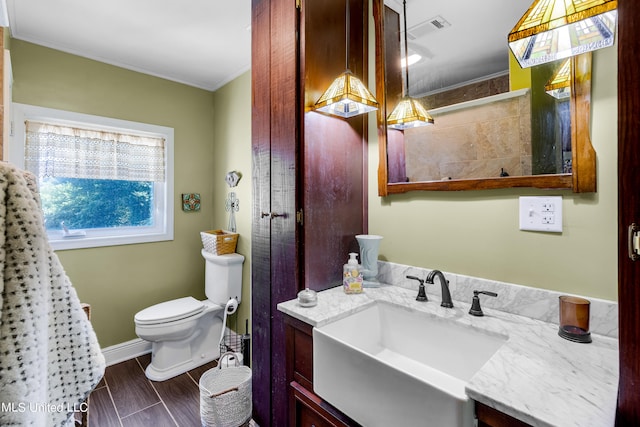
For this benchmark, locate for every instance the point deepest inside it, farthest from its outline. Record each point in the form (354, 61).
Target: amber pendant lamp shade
(557, 29)
(560, 84)
(347, 96)
(409, 113)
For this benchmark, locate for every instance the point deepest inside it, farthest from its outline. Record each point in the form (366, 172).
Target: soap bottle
(352, 275)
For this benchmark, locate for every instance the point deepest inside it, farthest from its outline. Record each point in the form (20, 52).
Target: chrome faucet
(444, 285)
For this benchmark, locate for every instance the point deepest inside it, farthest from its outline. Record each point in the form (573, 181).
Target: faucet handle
(422, 294)
(475, 309)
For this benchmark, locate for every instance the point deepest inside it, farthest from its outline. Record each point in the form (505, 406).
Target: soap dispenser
(352, 275)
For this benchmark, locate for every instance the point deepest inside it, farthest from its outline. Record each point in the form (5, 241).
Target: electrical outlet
(541, 214)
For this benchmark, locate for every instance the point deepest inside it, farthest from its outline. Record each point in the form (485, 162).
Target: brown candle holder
(574, 319)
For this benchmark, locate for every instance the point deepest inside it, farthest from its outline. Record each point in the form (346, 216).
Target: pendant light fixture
(560, 84)
(347, 96)
(556, 29)
(409, 113)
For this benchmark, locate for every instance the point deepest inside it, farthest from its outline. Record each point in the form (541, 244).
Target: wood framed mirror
(579, 175)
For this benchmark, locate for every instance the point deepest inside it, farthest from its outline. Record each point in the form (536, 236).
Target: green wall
(476, 232)
(118, 281)
(232, 134)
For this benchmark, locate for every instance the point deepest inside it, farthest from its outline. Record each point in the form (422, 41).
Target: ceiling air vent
(427, 26)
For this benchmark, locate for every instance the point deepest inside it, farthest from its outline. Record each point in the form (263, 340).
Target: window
(102, 181)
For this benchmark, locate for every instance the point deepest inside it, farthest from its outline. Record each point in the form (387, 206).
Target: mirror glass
(493, 128)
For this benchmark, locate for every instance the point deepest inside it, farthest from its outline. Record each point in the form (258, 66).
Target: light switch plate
(541, 213)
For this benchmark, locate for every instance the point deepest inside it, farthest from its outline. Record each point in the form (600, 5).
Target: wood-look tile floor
(126, 398)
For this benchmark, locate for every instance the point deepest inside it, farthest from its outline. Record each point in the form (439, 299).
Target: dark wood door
(628, 413)
(314, 165)
(274, 245)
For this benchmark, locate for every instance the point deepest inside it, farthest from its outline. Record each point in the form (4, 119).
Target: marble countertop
(536, 376)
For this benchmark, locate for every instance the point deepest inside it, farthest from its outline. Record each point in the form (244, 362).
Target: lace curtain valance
(53, 150)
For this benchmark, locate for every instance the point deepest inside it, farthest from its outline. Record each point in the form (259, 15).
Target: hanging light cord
(346, 31)
(406, 50)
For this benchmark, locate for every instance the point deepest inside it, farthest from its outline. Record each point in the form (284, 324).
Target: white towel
(50, 359)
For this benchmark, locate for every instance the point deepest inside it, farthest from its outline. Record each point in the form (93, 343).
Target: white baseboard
(125, 351)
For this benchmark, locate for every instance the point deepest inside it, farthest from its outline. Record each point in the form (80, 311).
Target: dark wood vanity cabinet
(489, 417)
(306, 409)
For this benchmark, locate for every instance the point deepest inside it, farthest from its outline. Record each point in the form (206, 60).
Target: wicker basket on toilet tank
(219, 242)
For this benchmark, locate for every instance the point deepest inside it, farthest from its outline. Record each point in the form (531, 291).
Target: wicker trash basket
(219, 242)
(225, 396)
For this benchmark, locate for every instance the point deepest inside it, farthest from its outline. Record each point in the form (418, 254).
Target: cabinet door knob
(270, 215)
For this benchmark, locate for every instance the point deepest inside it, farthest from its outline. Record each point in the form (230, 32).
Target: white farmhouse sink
(392, 366)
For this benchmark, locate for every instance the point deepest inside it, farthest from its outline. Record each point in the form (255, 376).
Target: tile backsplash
(530, 302)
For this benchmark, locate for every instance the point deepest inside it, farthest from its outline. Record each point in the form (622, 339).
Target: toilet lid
(169, 311)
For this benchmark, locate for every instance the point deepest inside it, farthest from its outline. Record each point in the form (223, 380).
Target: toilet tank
(223, 277)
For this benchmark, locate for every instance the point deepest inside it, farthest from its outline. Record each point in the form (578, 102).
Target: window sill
(60, 243)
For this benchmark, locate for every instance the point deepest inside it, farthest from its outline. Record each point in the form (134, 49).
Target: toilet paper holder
(234, 347)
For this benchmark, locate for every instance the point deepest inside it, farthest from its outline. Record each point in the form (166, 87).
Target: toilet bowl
(183, 342)
(185, 332)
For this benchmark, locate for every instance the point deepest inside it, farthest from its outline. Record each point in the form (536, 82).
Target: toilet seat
(169, 311)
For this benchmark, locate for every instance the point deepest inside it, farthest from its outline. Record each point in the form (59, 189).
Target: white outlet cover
(541, 213)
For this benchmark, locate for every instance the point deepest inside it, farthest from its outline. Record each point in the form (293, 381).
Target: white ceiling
(201, 43)
(207, 43)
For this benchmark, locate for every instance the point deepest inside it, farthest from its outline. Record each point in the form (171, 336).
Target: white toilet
(185, 332)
